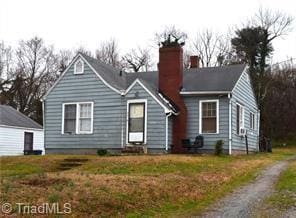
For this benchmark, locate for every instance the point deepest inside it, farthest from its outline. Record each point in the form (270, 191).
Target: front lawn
(144, 185)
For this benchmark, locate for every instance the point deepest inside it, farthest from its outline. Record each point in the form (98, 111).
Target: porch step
(133, 150)
(69, 163)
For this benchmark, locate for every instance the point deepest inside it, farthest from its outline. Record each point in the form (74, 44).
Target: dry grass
(160, 185)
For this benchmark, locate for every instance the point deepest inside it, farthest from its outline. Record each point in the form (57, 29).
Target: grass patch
(133, 186)
(285, 196)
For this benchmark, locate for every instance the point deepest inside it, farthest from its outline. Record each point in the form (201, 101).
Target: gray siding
(107, 112)
(192, 104)
(244, 95)
(109, 123)
(155, 118)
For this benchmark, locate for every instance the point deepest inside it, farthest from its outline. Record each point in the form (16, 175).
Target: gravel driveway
(242, 202)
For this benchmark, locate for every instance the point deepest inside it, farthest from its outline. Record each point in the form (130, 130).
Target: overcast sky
(72, 23)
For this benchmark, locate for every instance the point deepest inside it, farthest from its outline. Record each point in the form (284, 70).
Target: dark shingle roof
(201, 79)
(197, 79)
(109, 73)
(11, 117)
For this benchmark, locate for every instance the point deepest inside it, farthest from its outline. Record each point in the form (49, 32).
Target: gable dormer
(79, 66)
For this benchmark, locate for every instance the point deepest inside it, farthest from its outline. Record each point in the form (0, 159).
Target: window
(240, 114)
(70, 118)
(85, 114)
(137, 121)
(78, 118)
(209, 116)
(252, 121)
(78, 67)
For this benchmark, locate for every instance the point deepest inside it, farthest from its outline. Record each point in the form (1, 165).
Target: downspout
(258, 129)
(43, 122)
(230, 125)
(167, 131)
(122, 120)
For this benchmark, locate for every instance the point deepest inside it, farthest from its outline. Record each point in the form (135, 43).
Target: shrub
(102, 152)
(219, 147)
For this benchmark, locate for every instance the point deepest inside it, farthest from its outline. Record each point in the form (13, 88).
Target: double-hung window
(78, 118)
(252, 121)
(209, 116)
(240, 115)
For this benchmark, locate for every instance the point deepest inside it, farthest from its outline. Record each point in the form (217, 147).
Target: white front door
(136, 122)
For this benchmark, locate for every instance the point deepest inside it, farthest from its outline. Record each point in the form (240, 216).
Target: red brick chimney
(170, 83)
(194, 62)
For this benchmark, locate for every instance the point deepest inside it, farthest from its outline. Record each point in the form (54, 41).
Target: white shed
(18, 133)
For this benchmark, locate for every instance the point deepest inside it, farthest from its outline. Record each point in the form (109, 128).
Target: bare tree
(108, 52)
(84, 50)
(212, 48)
(64, 58)
(6, 64)
(276, 23)
(137, 60)
(5, 60)
(36, 71)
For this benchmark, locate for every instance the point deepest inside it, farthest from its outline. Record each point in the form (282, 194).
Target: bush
(219, 147)
(102, 152)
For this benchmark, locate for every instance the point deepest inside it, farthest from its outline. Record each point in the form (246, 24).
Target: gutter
(204, 92)
(230, 125)
(167, 131)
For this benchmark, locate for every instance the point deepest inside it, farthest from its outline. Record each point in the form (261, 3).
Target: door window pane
(136, 117)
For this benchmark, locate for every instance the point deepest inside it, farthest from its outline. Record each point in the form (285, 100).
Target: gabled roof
(167, 104)
(11, 117)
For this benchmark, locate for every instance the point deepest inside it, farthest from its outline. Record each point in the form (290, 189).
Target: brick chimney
(170, 83)
(194, 61)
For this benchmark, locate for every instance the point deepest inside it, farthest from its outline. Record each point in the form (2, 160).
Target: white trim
(167, 131)
(252, 118)
(127, 117)
(166, 110)
(203, 92)
(77, 117)
(75, 68)
(65, 71)
(21, 127)
(229, 125)
(243, 118)
(217, 116)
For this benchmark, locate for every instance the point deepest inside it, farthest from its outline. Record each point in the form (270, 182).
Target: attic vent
(79, 67)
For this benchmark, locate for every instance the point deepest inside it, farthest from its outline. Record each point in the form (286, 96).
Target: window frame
(252, 121)
(136, 101)
(77, 131)
(238, 128)
(82, 69)
(217, 116)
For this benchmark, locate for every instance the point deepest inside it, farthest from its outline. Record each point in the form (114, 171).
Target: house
(95, 106)
(18, 133)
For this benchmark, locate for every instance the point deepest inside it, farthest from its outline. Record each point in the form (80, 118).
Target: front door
(136, 122)
(28, 142)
